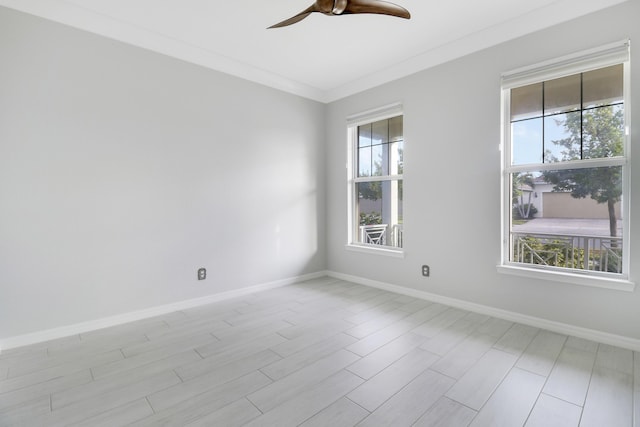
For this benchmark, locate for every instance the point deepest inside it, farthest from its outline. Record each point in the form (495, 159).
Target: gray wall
(123, 171)
(452, 181)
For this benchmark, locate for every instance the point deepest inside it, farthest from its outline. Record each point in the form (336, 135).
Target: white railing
(594, 253)
(376, 234)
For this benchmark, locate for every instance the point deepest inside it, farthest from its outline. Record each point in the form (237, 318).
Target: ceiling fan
(344, 7)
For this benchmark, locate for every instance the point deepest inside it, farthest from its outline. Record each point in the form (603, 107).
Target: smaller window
(376, 149)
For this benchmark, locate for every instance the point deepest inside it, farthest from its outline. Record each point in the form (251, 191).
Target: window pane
(364, 161)
(603, 86)
(377, 156)
(526, 102)
(568, 218)
(371, 230)
(397, 229)
(395, 129)
(526, 141)
(380, 213)
(396, 152)
(562, 137)
(364, 135)
(370, 202)
(603, 132)
(562, 95)
(380, 132)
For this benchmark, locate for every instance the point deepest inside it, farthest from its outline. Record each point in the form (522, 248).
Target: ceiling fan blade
(378, 7)
(296, 18)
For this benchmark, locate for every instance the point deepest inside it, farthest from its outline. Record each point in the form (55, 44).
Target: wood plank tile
(122, 380)
(240, 334)
(552, 412)
(615, 358)
(140, 327)
(301, 342)
(375, 312)
(378, 389)
(512, 401)
(463, 356)
(201, 405)
(609, 399)
(297, 361)
(446, 413)
(78, 353)
(88, 408)
(44, 389)
(18, 359)
(478, 383)
(214, 357)
(449, 337)
(139, 360)
(391, 332)
(342, 413)
(376, 324)
(120, 416)
(415, 305)
(53, 372)
(376, 361)
(286, 348)
(542, 353)
(495, 327)
(286, 388)
(185, 342)
(168, 397)
(432, 327)
(318, 324)
(517, 339)
(309, 402)
(24, 414)
(410, 403)
(235, 414)
(570, 377)
(582, 344)
(28, 350)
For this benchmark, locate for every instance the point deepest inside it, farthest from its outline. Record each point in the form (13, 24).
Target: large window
(565, 174)
(375, 183)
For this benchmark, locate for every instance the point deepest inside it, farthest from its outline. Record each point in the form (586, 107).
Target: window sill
(376, 250)
(573, 278)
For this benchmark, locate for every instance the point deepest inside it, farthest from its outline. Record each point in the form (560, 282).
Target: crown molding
(75, 16)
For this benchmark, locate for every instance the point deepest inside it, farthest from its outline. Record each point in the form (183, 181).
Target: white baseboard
(92, 325)
(562, 328)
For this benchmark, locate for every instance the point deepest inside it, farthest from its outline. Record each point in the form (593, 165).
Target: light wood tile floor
(320, 353)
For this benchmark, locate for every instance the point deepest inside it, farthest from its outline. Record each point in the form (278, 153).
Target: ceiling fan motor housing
(339, 6)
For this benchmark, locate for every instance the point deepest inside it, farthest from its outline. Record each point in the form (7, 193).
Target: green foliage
(557, 253)
(370, 190)
(520, 211)
(371, 218)
(599, 133)
(545, 252)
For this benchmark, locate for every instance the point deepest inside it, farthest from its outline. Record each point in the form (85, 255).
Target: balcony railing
(376, 234)
(594, 253)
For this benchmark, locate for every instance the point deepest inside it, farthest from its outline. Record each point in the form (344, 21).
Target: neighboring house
(552, 204)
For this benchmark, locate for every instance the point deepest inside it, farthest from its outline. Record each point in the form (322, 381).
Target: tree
(522, 181)
(597, 133)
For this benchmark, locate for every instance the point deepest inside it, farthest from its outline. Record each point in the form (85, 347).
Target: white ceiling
(322, 58)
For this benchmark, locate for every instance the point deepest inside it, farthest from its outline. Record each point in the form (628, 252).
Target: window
(376, 148)
(565, 176)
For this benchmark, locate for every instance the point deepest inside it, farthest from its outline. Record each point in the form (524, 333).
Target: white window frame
(608, 55)
(353, 121)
